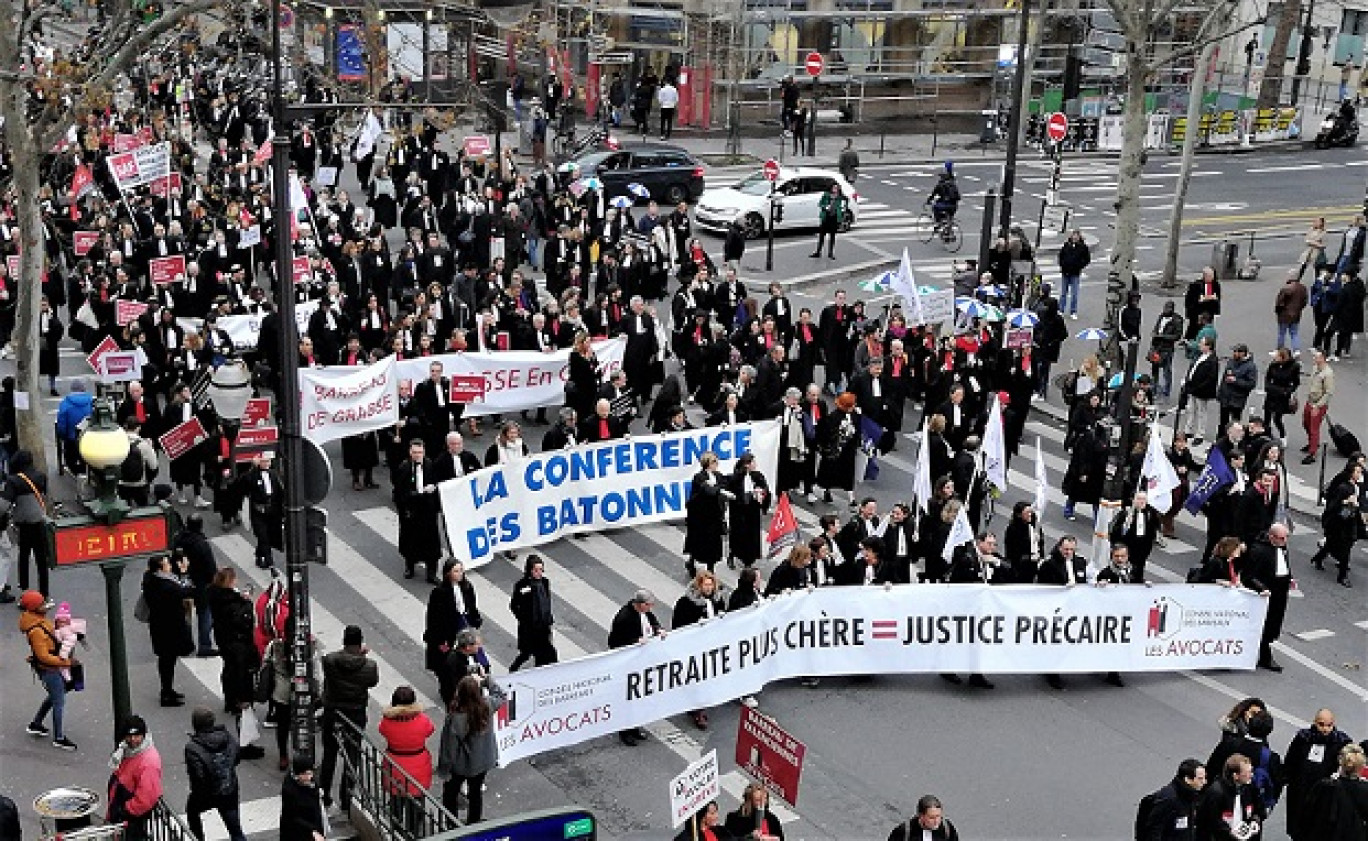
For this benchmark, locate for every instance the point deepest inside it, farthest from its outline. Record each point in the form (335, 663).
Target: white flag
(904, 282)
(921, 486)
(1040, 495)
(995, 447)
(366, 136)
(298, 199)
(1157, 476)
(960, 533)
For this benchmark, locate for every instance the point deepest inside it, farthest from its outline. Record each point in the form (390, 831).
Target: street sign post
(814, 63)
(772, 169)
(772, 173)
(1056, 127)
(769, 754)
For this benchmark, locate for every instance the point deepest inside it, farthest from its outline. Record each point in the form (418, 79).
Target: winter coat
(348, 676)
(705, 517)
(1291, 300)
(463, 754)
(1339, 810)
(1303, 772)
(136, 784)
(75, 407)
(1174, 814)
(211, 758)
(1349, 308)
(746, 513)
(301, 810)
(1202, 378)
(1235, 393)
(1074, 257)
(43, 644)
(1084, 478)
(405, 730)
(744, 826)
(168, 624)
(692, 607)
(232, 615)
(534, 616)
(444, 622)
(1281, 380)
(626, 627)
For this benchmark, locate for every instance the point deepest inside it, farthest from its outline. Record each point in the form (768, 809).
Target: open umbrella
(989, 291)
(638, 190)
(1022, 318)
(621, 202)
(971, 307)
(1115, 381)
(568, 166)
(993, 313)
(592, 183)
(1096, 334)
(877, 284)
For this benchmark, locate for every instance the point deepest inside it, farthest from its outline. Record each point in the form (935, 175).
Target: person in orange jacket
(47, 663)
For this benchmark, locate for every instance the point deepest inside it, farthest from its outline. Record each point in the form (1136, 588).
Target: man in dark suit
(633, 624)
(1269, 567)
(1137, 527)
(871, 392)
(1258, 507)
(415, 498)
(438, 413)
(835, 326)
(265, 503)
(864, 524)
(770, 376)
(455, 461)
(137, 405)
(563, 434)
(976, 563)
(959, 421)
(602, 425)
(869, 566)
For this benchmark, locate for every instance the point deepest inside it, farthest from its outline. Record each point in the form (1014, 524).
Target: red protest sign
(106, 346)
(300, 269)
(253, 442)
(769, 754)
(161, 186)
(83, 241)
(257, 413)
(127, 312)
(476, 145)
(467, 388)
(164, 270)
(12, 263)
(1018, 337)
(183, 438)
(127, 142)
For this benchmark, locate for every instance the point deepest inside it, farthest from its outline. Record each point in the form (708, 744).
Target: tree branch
(135, 46)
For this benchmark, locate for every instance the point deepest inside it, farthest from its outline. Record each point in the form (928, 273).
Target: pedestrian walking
(302, 816)
(406, 728)
(705, 523)
(201, 569)
(348, 676)
(1282, 378)
(1241, 375)
(1324, 300)
(849, 161)
(1348, 316)
(25, 489)
(165, 590)
(1269, 564)
(451, 609)
(1314, 253)
(668, 98)
(468, 748)
(467, 657)
(831, 213)
(1164, 339)
(1320, 390)
(261, 487)
(211, 758)
(415, 498)
(1202, 297)
(1312, 756)
(233, 625)
(930, 823)
(1288, 306)
(634, 623)
(1200, 386)
(1074, 257)
(135, 784)
(531, 606)
(1343, 520)
(47, 664)
(704, 599)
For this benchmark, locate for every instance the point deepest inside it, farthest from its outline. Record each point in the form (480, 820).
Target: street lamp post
(291, 444)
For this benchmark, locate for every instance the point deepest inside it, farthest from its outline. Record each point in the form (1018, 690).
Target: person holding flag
(1213, 493)
(975, 561)
(1136, 526)
(751, 500)
(783, 529)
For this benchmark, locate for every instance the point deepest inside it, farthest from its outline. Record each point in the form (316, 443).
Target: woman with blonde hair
(753, 821)
(704, 599)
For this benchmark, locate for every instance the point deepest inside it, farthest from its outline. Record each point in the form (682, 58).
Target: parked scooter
(1340, 128)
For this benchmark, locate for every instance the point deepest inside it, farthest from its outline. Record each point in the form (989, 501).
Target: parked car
(798, 191)
(671, 174)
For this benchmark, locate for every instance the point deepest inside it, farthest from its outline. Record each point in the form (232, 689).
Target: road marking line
(1312, 636)
(1363, 624)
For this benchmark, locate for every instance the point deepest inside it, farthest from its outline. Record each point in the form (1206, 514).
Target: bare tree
(1275, 64)
(1138, 20)
(39, 102)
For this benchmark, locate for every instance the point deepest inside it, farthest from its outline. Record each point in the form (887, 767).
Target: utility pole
(1014, 135)
(291, 444)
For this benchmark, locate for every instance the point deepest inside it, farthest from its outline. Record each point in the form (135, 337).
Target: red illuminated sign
(96, 542)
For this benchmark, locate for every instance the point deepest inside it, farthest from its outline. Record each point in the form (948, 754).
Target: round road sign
(814, 63)
(1056, 126)
(772, 169)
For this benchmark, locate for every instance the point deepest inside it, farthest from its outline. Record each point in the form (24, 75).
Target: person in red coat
(405, 729)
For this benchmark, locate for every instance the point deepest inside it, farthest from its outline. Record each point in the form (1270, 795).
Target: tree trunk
(1120, 279)
(1194, 117)
(1275, 66)
(31, 422)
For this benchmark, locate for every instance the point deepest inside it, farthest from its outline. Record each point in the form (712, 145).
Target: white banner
(140, 166)
(911, 628)
(591, 487)
(245, 330)
(342, 401)
(515, 380)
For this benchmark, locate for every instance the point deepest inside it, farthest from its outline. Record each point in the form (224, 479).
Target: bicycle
(948, 231)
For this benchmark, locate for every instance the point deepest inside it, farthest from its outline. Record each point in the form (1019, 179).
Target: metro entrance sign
(814, 63)
(1056, 127)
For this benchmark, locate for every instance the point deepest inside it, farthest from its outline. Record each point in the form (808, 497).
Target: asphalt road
(1019, 762)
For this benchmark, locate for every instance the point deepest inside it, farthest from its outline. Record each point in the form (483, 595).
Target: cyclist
(945, 196)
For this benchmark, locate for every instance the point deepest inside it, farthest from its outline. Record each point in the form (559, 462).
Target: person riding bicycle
(945, 196)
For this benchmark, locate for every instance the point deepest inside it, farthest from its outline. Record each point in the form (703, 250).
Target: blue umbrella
(1094, 334)
(638, 190)
(1115, 381)
(592, 183)
(621, 202)
(990, 291)
(971, 307)
(1022, 318)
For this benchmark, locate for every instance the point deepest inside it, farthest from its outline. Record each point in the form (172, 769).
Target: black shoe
(179, 696)
(408, 573)
(64, 744)
(6, 596)
(263, 563)
(1344, 581)
(641, 735)
(1310, 459)
(36, 729)
(252, 752)
(980, 681)
(1271, 665)
(1055, 681)
(1320, 565)
(952, 678)
(171, 701)
(1115, 679)
(831, 256)
(628, 738)
(815, 254)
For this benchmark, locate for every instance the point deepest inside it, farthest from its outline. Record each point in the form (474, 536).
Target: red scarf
(225, 448)
(840, 316)
(1208, 289)
(140, 412)
(604, 432)
(1230, 568)
(807, 332)
(351, 357)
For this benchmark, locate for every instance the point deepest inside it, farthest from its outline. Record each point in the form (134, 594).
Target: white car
(798, 191)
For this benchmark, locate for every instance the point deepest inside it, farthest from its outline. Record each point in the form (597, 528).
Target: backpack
(133, 471)
(949, 191)
(1263, 780)
(1143, 812)
(221, 774)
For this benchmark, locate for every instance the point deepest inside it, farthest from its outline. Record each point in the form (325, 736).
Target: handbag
(141, 611)
(263, 688)
(1293, 404)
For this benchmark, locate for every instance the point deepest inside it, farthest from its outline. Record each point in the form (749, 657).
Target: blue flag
(1216, 475)
(870, 436)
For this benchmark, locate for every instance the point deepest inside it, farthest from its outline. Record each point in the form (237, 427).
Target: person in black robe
(705, 516)
(415, 497)
(752, 501)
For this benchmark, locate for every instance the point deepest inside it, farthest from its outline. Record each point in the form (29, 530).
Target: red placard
(127, 142)
(160, 187)
(467, 388)
(127, 312)
(257, 413)
(183, 438)
(12, 263)
(83, 241)
(1017, 337)
(502, 340)
(476, 145)
(119, 366)
(253, 442)
(814, 63)
(1056, 126)
(769, 754)
(300, 269)
(108, 345)
(94, 543)
(164, 270)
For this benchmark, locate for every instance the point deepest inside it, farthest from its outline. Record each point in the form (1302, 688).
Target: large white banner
(342, 401)
(140, 166)
(245, 330)
(912, 628)
(514, 380)
(591, 487)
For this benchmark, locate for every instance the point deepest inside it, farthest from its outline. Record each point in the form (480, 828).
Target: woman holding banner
(838, 440)
(706, 826)
(704, 599)
(752, 500)
(754, 821)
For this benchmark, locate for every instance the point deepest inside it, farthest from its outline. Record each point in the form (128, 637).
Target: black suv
(671, 174)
